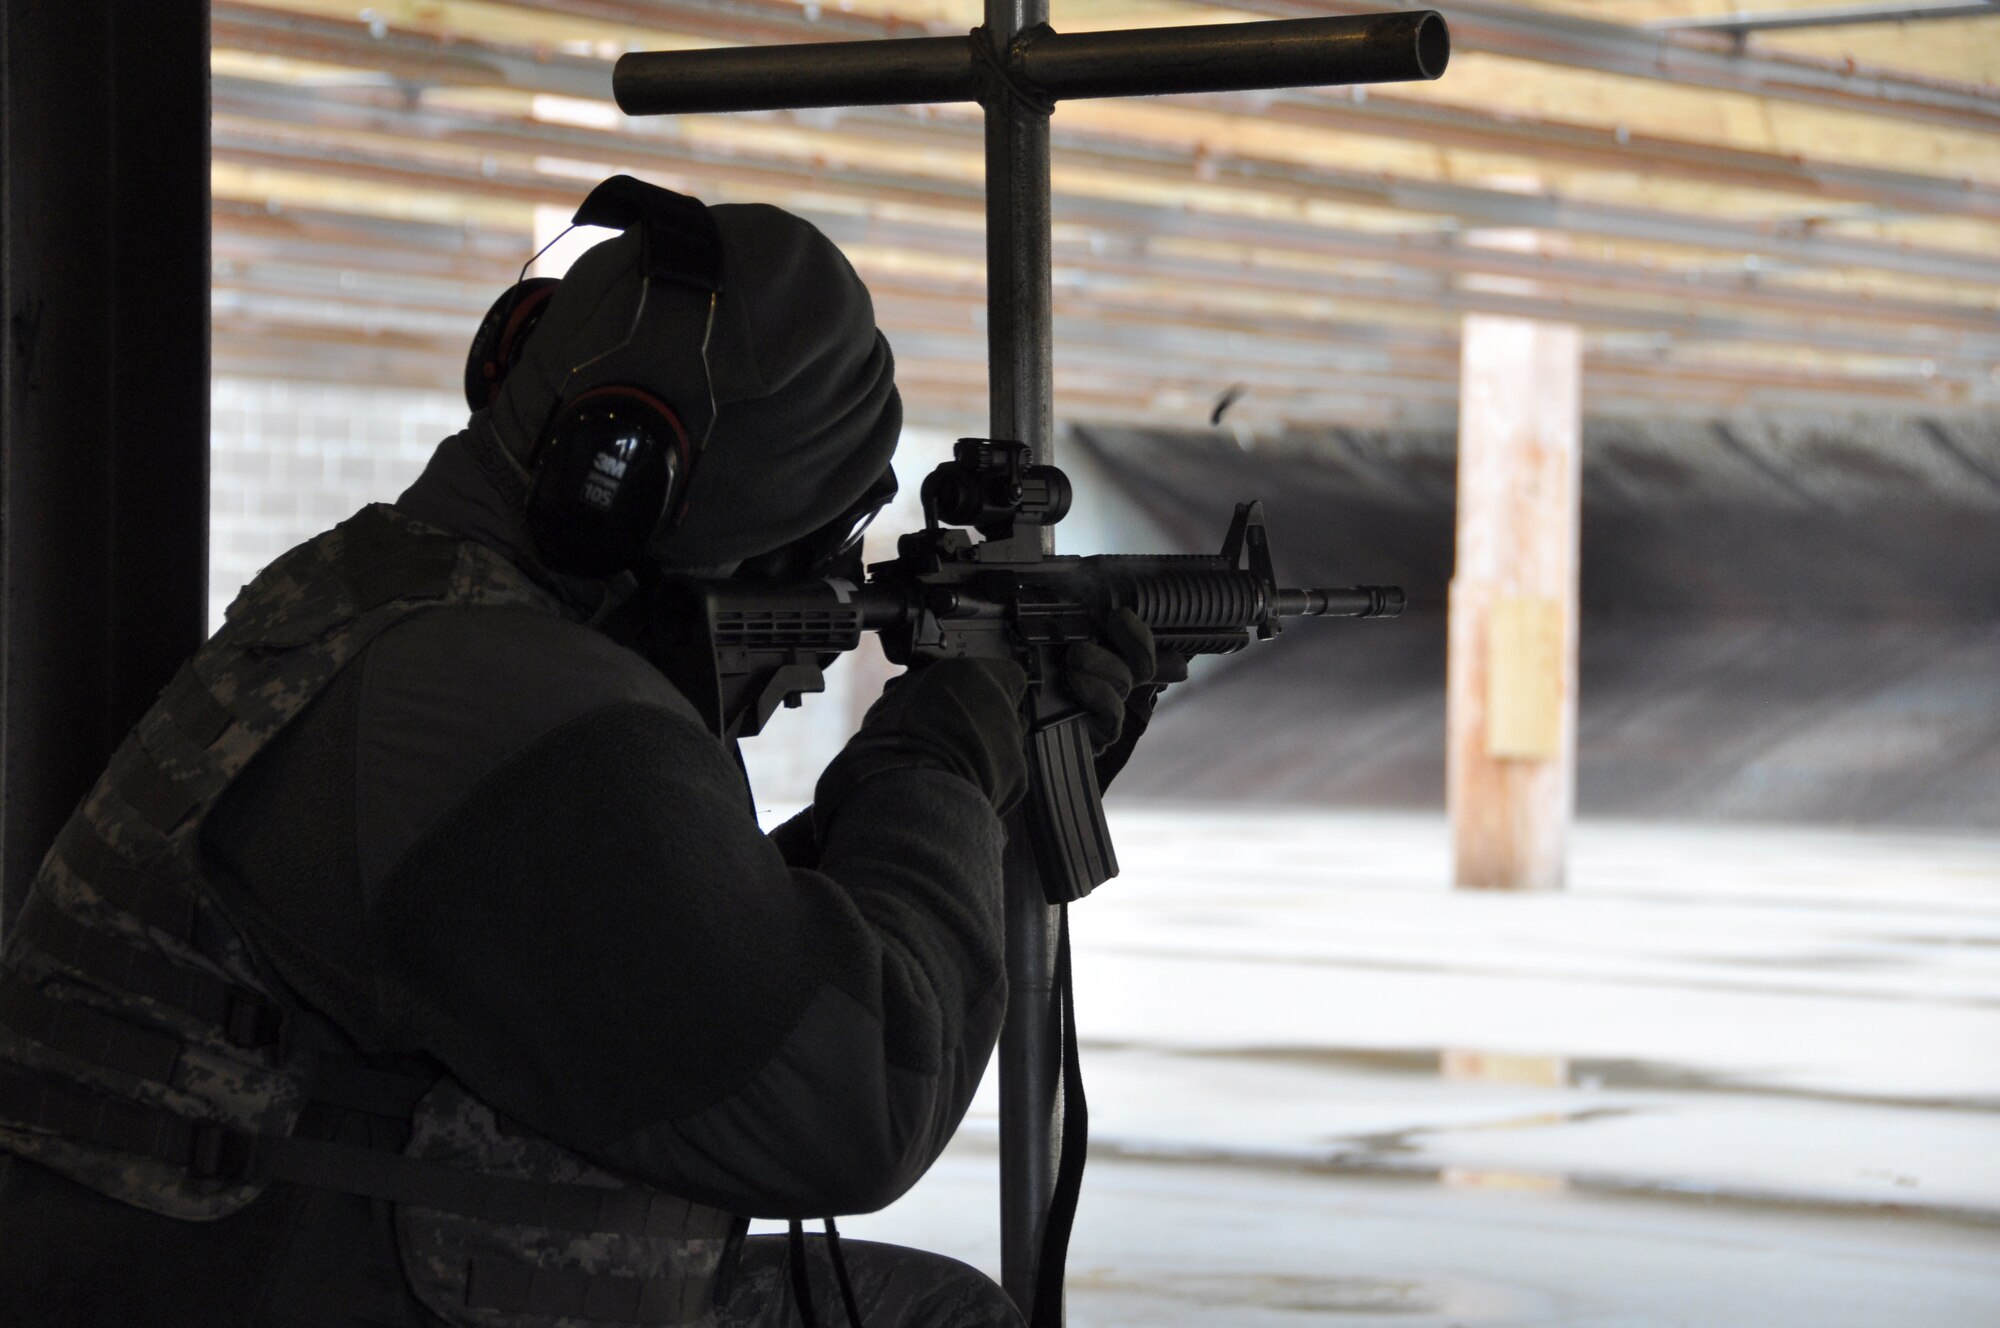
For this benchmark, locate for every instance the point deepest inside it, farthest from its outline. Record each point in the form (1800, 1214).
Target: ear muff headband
(678, 238)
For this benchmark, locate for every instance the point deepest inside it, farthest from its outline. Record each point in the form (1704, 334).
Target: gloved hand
(961, 716)
(1101, 676)
(1118, 683)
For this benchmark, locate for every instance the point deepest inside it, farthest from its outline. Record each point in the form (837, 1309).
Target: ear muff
(610, 466)
(502, 335)
(608, 471)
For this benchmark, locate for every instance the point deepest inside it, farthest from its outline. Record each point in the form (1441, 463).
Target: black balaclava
(807, 410)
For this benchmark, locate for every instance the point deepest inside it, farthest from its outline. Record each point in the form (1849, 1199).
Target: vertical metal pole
(1018, 357)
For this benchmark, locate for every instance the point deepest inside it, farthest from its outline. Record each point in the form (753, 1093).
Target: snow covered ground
(1730, 1076)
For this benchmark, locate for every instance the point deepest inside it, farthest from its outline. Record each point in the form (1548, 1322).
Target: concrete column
(1511, 673)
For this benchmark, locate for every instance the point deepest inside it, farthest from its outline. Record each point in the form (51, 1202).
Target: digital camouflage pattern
(681, 1252)
(127, 863)
(123, 981)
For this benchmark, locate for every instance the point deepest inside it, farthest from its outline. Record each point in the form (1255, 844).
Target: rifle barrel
(1342, 602)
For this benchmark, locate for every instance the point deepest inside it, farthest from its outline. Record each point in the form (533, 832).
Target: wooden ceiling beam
(1545, 36)
(420, 57)
(1803, 246)
(1953, 359)
(1953, 353)
(1833, 16)
(952, 391)
(1207, 298)
(1182, 265)
(1205, 351)
(336, 240)
(1549, 36)
(1418, 267)
(1967, 331)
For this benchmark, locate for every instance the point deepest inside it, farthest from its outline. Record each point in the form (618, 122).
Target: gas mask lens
(859, 528)
(837, 545)
(832, 550)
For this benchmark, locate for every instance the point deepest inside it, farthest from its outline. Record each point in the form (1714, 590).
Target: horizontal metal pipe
(1234, 57)
(795, 77)
(1140, 62)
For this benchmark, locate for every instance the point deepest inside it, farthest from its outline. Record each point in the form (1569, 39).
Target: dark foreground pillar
(103, 389)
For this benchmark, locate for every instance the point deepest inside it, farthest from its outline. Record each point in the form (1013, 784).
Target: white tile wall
(288, 460)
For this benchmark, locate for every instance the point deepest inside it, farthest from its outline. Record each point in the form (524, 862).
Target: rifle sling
(1051, 1265)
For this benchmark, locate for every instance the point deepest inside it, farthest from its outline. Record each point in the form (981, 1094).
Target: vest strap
(246, 1018)
(195, 713)
(42, 1103)
(505, 1200)
(513, 1287)
(145, 894)
(425, 575)
(82, 1033)
(382, 562)
(45, 1105)
(162, 801)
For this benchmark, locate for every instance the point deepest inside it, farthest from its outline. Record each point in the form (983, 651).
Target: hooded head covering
(806, 410)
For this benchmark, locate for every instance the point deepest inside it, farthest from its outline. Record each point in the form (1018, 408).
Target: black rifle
(739, 649)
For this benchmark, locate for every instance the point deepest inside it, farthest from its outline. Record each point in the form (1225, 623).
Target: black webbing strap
(513, 1287)
(795, 1264)
(46, 1105)
(146, 893)
(87, 1035)
(504, 1200)
(246, 1018)
(381, 563)
(847, 1298)
(193, 710)
(40, 1102)
(419, 574)
(1049, 1270)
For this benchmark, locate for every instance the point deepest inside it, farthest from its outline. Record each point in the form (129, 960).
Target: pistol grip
(1066, 812)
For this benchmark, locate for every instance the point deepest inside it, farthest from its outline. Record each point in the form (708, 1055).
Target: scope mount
(994, 485)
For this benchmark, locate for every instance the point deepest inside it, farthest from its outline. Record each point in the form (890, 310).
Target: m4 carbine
(743, 648)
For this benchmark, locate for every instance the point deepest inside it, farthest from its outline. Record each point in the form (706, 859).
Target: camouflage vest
(146, 1052)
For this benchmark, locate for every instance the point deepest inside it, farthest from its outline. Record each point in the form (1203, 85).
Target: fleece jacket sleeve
(796, 841)
(582, 920)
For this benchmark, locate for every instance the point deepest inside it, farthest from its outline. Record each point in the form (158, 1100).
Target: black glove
(961, 716)
(1119, 686)
(1101, 676)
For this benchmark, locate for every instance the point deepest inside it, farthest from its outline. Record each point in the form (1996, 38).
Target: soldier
(418, 959)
